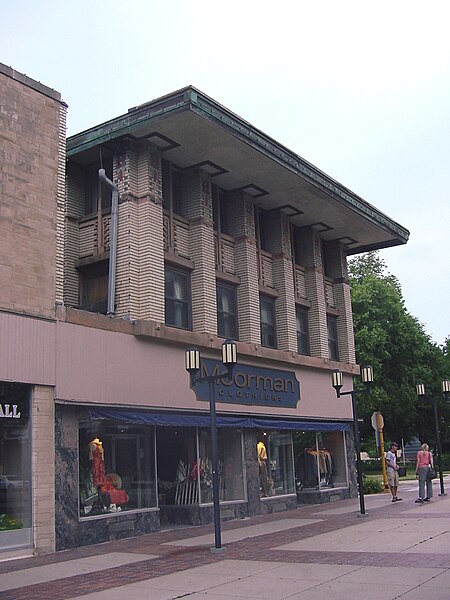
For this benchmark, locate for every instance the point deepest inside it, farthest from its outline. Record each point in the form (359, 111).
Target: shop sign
(250, 385)
(8, 411)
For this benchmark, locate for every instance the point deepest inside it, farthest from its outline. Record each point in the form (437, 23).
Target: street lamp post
(367, 380)
(420, 391)
(229, 360)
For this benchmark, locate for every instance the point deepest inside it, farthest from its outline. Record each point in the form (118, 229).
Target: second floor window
(94, 287)
(177, 298)
(226, 311)
(267, 316)
(302, 331)
(171, 188)
(333, 347)
(220, 217)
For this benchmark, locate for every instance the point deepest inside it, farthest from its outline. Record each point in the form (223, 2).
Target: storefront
(133, 450)
(15, 462)
(140, 470)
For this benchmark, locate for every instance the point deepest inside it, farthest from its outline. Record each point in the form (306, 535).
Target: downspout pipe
(112, 241)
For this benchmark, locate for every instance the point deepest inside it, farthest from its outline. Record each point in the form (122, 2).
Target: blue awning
(184, 420)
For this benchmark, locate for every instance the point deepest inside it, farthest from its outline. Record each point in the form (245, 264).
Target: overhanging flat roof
(192, 130)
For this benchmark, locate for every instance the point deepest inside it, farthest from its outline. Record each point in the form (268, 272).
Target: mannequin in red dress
(97, 458)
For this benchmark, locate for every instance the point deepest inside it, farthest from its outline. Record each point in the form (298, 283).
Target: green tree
(397, 347)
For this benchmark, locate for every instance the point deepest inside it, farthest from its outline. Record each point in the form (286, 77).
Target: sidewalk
(399, 550)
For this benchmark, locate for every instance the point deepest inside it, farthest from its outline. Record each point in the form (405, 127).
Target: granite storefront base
(323, 496)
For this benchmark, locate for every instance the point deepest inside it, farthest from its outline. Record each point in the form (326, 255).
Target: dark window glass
(298, 258)
(94, 287)
(177, 298)
(267, 316)
(15, 465)
(302, 331)
(261, 221)
(226, 311)
(220, 218)
(171, 188)
(333, 348)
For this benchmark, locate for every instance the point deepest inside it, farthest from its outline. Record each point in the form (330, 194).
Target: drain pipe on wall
(112, 241)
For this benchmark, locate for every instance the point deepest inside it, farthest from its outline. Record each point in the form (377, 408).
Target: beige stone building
(32, 187)
(200, 228)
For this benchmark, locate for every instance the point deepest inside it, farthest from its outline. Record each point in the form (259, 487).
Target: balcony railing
(224, 252)
(329, 293)
(265, 264)
(300, 282)
(176, 236)
(94, 235)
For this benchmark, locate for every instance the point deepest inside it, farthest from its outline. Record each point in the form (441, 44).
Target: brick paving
(169, 559)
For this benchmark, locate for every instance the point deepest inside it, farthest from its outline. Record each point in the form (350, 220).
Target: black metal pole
(439, 449)
(358, 455)
(215, 474)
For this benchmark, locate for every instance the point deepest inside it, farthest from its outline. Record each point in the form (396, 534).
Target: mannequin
(97, 458)
(263, 473)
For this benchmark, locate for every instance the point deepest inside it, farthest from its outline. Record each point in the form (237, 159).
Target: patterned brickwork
(338, 271)
(151, 257)
(285, 304)
(43, 469)
(197, 206)
(203, 281)
(311, 251)
(242, 227)
(61, 197)
(283, 279)
(345, 323)
(127, 270)
(30, 145)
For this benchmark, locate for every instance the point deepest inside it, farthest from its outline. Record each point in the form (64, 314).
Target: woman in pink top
(424, 462)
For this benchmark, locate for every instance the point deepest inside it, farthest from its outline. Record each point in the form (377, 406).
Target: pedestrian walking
(392, 471)
(423, 466)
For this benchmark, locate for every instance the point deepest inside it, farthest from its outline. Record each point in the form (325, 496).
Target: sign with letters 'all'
(9, 411)
(250, 385)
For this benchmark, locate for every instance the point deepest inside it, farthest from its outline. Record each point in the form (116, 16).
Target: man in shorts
(392, 471)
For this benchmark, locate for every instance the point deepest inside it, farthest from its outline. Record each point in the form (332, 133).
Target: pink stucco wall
(27, 349)
(97, 366)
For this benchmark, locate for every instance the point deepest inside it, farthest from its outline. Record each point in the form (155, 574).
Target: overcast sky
(359, 89)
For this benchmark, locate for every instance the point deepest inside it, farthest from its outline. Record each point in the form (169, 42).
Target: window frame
(269, 300)
(303, 337)
(233, 289)
(333, 340)
(185, 302)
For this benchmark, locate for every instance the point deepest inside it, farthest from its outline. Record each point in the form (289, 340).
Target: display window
(117, 468)
(177, 466)
(185, 470)
(320, 460)
(15, 475)
(230, 465)
(276, 463)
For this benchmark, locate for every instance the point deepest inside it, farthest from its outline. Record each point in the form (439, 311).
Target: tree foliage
(399, 350)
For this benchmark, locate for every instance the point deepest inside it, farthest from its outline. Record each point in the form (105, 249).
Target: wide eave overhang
(192, 130)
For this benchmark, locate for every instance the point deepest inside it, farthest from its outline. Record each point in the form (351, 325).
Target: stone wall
(32, 122)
